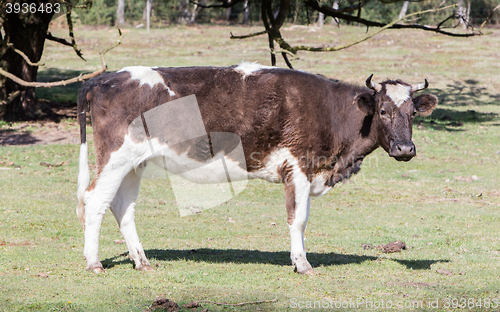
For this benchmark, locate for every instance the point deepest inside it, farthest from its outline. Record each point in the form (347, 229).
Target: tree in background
(274, 14)
(25, 26)
(120, 13)
(25, 31)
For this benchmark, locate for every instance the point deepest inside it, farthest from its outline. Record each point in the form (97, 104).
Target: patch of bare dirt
(391, 247)
(57, 125)
(163, 304)
(40, 133)
(396, 246)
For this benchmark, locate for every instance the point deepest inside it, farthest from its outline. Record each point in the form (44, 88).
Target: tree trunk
(27, 33)
(193, 15)
(149, 5)
(246, 13)
(321, 19)
(335, 6)
(120, 13)
(461, 11)
(183, 11)
(402, 13)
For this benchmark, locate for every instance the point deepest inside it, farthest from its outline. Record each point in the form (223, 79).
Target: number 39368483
(32, 8)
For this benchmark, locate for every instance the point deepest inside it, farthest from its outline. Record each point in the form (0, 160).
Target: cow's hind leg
(123, 208)
(297, 199)
(97, 199)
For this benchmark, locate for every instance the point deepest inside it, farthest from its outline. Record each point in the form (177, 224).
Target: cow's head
(393, 107)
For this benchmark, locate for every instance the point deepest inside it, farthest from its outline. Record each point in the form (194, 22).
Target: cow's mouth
(403, 158)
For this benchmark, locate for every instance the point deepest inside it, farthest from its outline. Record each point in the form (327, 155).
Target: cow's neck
(353, 145)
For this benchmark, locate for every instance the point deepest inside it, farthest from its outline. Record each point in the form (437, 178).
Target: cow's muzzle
(403, 151)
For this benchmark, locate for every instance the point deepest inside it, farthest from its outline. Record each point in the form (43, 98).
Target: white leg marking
(100, 198)
(123, 209)
(302, 206)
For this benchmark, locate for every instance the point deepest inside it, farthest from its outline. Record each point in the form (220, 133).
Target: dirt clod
(192, 305)
(445, 272)
(164, 304)
(367, 246)
(52, 165)
(396, 246)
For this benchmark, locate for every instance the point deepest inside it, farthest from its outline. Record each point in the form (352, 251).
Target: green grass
(447, 222)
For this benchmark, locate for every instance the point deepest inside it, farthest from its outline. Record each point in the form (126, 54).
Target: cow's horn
(420, 86)
(373, 85)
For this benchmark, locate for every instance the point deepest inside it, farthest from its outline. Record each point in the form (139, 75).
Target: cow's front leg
(297, 200)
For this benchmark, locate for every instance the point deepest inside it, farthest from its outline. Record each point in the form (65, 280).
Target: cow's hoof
(305, 269)
(145, 268)
(309, 272)
(96, 268)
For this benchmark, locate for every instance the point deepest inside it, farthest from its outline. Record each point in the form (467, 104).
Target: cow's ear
(366, 103)
(425, 104)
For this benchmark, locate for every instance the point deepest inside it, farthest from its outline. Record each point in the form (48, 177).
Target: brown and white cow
(295, 128)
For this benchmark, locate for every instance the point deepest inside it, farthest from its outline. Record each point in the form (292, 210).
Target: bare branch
(249, 35)
(71, 34)
(489, 17)
(314, 4)
(24, 56)
(444, 21)
(11, 98)
(285, 57)
(284, 45)
(82, 77)
(60, 40)
(225, 4)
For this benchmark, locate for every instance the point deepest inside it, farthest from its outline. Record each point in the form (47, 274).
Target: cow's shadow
(280, 258)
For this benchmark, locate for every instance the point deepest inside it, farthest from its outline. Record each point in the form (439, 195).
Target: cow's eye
(383, 112)
(414, 113)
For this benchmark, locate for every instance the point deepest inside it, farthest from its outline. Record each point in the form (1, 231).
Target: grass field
(444, 204)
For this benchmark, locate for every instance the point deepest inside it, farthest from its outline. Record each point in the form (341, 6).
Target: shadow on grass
(463, 93)
(68, 93)
(11, 137)
(460, 94)
(280, 258)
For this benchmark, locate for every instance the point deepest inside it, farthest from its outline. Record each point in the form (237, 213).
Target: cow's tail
(83, 166)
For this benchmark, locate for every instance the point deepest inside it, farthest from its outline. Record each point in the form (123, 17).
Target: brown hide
(272, 108)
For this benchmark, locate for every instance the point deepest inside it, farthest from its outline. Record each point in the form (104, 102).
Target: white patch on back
(247, 68)
(398, 93)
(146, 75)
